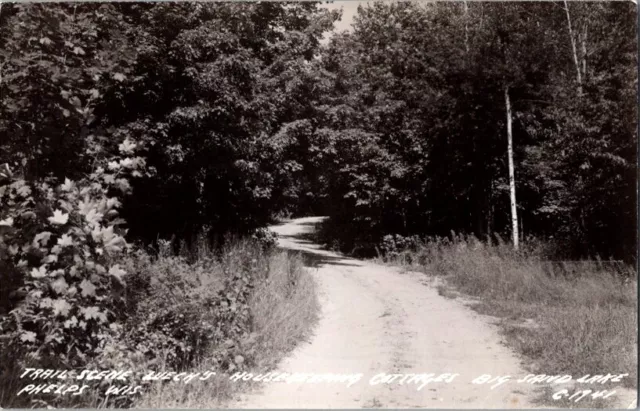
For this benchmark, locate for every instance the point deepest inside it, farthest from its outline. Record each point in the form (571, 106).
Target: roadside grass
(242, 306)
(581, 325)
(283, 307)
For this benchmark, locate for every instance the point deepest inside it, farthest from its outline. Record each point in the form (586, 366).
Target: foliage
(392, 245)
(216, 312)
(428, 81)
(60, 251)
(398, 126)
(182, 311)
(267, 239)
(204, 90)
(207, 86)
(283, 305)
(58, 63)
(234, 113)
(217, 87)
(61, 244)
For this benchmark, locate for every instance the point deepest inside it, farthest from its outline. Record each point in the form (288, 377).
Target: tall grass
(283, 307)
(171, 319)
(583, 324)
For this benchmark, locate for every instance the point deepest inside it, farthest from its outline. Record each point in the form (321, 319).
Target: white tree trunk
(512, 178)
(466, 26)
(584, 53)
(572, 37)
(1, 66)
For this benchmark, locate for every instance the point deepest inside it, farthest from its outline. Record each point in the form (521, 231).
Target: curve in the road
(376, 319)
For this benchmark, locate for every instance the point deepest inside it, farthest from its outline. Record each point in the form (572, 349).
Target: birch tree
(574, 48)
(515, 236)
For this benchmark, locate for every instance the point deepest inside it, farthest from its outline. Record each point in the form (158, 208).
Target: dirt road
(376, 319)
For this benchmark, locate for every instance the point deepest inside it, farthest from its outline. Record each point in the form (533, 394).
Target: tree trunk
(512, 180)
(489, 215)
(466, 26)
(584, 53)
(574, 48)
(1, 65)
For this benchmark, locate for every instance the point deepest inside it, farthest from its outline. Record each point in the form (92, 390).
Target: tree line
(422, 101)
(401, 125)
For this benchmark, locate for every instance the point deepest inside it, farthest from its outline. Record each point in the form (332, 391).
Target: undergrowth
(241, 307)
(76, 295)
(283, 308)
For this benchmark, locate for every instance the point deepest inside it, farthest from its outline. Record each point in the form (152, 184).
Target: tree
(205, 86)
(439, 84)
(512, 182)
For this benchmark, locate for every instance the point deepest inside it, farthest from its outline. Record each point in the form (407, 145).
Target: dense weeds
(225, 310)
(281, 308)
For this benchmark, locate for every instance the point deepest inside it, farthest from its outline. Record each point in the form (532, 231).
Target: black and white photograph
(308, 205)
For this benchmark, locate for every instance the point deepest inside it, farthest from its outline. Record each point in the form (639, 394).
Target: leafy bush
(392, 245)
(182, 311)
(266, 238)
(60, 245)
(63, 241)
(79, 296)
(203, 312)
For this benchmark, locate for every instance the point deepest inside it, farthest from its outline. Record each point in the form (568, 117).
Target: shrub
(79, 296)
(182, 311)
(283, 308)
(393, 245)
(60, 245)
(266, 238)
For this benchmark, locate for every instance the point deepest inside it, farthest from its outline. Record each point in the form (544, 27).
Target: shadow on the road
(300, 239)
(315, 260)
(309, 223)
(311, 237)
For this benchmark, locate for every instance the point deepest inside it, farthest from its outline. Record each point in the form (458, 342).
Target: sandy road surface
(376, 319)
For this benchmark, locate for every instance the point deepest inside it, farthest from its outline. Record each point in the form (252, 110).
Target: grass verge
(283, 307)
(581, 325)
(241, 307)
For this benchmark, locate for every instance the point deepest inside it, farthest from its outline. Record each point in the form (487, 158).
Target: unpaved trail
(376, 319)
